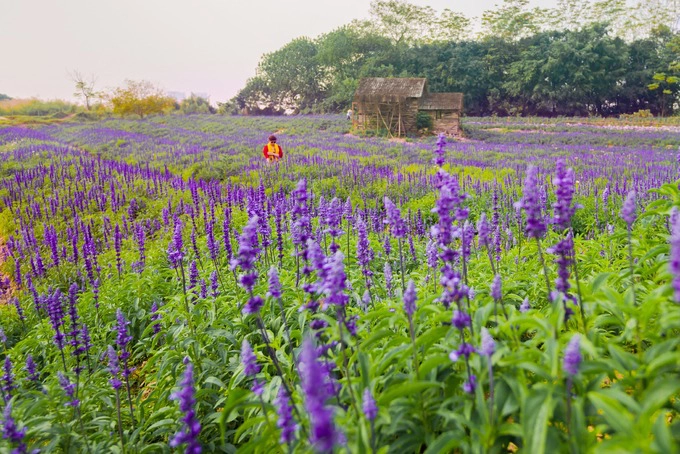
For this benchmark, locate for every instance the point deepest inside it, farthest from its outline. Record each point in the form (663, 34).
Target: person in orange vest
(272, 151)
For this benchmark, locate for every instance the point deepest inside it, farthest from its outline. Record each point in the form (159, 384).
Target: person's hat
(272, 138)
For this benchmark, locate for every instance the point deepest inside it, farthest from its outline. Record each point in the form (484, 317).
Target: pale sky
(200, 46)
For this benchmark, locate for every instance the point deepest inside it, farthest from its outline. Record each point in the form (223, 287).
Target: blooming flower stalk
(191, 427)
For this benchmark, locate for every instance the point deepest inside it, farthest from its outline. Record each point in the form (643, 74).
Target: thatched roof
(442, 101)
(382, 89)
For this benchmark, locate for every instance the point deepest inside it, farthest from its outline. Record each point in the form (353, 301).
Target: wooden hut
(445, 110)
(393, 104)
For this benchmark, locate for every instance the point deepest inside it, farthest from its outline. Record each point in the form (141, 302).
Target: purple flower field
(165, 289)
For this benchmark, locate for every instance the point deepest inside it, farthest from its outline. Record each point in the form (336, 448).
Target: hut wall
(447, 122)
(409, 114)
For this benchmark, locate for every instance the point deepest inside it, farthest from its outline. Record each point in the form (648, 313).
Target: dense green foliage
(36, 107)
(527, 62)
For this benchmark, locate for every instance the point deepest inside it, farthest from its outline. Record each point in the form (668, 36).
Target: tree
(512, 20)
(4, 97)
(667, 84)
(402, 22)
(84, 87)
(140, 98)
(451, 26)
(196, 105)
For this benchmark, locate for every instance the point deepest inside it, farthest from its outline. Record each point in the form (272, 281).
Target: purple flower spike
(440, 153)
(410, 299)
(488, 344)
(531, 204)
(114, 368)
(69, 388)
(628, 209)
(572, 355)
(674, 260)
(253, 305)
(387, 272)
(31, 369)
(7, 379)
(461, 320)
(176, 247)
(465, 350)
(323, 434)
(285, 420)
(470, 384)
(192, 427)
(525, 306)
(496, 292)
(369, 407)
(11, 432)
(274, 283)
(248, 359)
(564, 192)
(397, 224)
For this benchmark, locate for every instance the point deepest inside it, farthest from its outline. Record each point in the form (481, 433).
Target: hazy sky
(201, 46)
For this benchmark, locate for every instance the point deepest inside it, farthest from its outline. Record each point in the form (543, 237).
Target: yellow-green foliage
(7, 225)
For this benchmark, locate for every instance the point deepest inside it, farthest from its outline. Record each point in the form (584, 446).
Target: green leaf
(616, 415)
(445, 442)
(537, 409)
(405, 389)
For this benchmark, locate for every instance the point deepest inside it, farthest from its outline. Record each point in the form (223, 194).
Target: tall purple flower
(69, 388)
(285, 420)
(525, 306)
(323, 434)
(488, 346)
(248, 360)
(369, 407)
(572, 355)
(213, 248)
(31, 369)
(440, 153)
(274, 283)
(628, 209)
(11, 432)
(674, 259)
(364, 252)
(155, 316)
(20, 311)
(531, 204)
(410, 299)
(193, 275)
(247, 254)
(564, 193)
(74, 334)
(123, 338)
(117, 244)
(301, 229)
(496, 292)
(335, 280)
(7, 379)
(563, 250)
(114, 368)
(387, 272)
(55, 311)
(192, 427)
(214, 284)
(396, 223)
(483, 230)
(176, 246)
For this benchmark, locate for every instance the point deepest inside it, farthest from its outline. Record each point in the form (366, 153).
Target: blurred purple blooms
(191, 426)
(572, 355)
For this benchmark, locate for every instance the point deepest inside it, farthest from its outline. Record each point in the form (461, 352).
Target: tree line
(585, 57)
